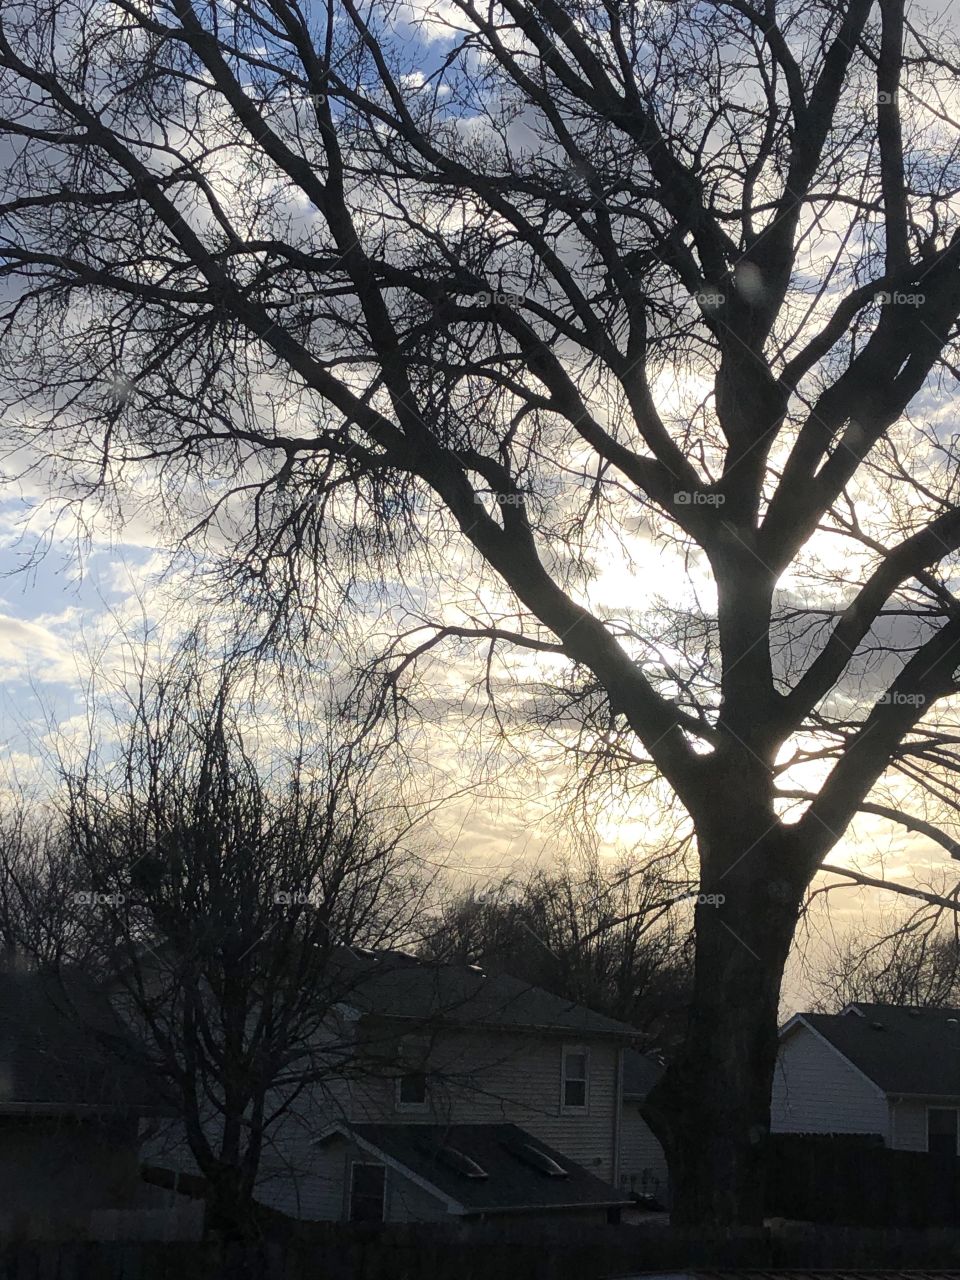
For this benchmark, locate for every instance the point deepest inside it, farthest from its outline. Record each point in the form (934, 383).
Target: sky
(73, 615)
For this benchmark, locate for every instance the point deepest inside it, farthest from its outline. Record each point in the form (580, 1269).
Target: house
(872, 1068)
(467, 1095)
(643, 1165)
(69, 1111)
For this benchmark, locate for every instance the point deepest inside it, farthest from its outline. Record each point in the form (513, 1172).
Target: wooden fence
(500, 1252)
(856, 1180)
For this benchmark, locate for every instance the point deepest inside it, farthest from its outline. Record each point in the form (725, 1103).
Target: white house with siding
(643, 1165)
(872, 1068)
(470, 1095)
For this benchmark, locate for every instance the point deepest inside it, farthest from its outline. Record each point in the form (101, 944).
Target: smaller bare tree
(215, 895)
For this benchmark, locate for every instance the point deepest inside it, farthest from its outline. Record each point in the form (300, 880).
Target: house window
(411, 1087)
(942, 1130)
(574, 1089)
(367, 1187)
(412, 1091)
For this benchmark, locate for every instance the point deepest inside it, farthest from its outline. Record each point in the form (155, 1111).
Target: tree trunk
(230, 1211)
(711, 1110)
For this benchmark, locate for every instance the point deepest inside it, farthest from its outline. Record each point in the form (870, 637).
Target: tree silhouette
(213, 898)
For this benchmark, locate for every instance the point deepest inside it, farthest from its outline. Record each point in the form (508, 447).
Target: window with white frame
(943, 1130)
(368, 1183)
(575, 1079)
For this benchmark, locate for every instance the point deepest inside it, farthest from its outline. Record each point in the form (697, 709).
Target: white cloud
(41, 649)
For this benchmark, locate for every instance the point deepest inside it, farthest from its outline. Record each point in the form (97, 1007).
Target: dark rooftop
(902, 1049)
(397, 986)
(640, 1074)
(521, 1172)
(54, 1033)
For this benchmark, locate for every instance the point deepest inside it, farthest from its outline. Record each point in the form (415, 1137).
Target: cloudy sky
(76, 605)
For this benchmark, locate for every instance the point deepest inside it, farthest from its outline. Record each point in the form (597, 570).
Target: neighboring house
(469, 1095)
(69, 1111)
(643, 1165)
(872, 1068)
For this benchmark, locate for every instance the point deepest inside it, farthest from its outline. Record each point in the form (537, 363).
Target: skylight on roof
(534, 1158)
(458, 1160)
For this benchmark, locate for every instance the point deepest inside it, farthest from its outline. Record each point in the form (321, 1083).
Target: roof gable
(901, 1049)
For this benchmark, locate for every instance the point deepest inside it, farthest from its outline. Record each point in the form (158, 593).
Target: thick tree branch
(900, 564)
(927, 677)
(918, 825)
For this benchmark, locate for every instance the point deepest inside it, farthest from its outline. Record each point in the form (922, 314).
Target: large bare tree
(516, 291)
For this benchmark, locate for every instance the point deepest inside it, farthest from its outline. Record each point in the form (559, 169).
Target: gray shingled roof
(640, 1074)
(401, 987)
(52, 1054)
(511, 1184)
(903, 1050)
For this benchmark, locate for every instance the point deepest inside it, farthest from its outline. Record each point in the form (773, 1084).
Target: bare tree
(214, 897)
(612, 939)
(915, 963)
(430, 305)
(39, 884)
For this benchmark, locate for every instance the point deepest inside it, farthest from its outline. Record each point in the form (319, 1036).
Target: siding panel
(909, 1126)
(816, 1091)
(481, 1078)
(643, 1166)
